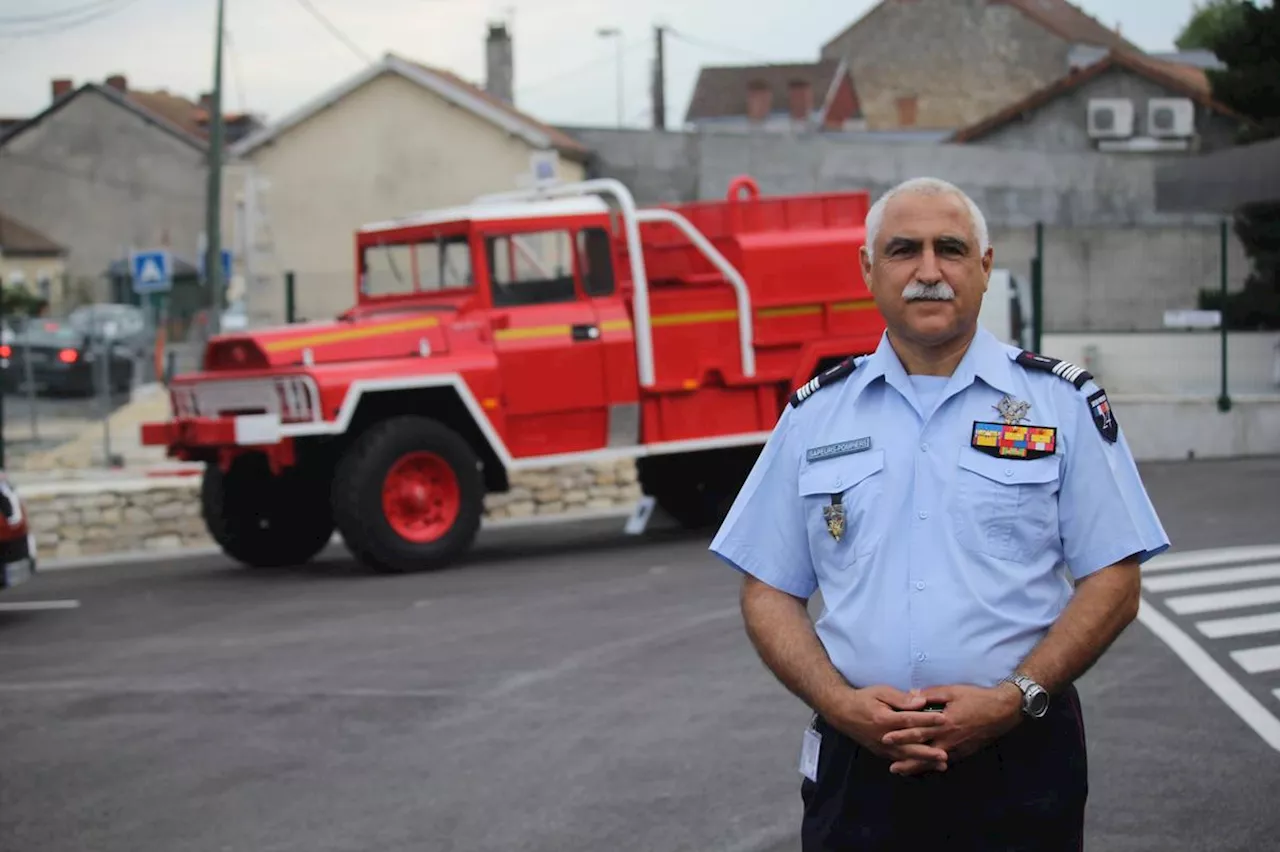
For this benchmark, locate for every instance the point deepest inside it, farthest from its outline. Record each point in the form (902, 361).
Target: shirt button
(924, 448)
(920, 585)
(924, 515)
(921, 657)
(1008, 471)
(840, 482)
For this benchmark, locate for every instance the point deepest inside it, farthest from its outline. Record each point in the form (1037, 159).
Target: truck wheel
(408, 495)
(264, 520)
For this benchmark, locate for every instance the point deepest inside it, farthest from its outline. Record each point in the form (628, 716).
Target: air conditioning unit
(1169, 118)
(1110, 118)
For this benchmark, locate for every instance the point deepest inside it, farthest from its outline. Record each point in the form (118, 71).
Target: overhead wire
(335, 31)
(105, 10)
(611, 57)
(45, 17)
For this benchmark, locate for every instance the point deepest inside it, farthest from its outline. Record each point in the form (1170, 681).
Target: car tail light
(68, 356)
(6, 351)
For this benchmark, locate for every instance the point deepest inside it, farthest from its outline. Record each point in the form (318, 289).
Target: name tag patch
(1010, 441)
(843, 448)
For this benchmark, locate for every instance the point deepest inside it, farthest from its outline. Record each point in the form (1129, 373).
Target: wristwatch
(1035, 701)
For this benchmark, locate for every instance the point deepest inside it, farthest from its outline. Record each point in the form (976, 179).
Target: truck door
(547, 338)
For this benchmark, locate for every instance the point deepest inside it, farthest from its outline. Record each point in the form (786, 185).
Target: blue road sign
(226, 266)
(152, 271)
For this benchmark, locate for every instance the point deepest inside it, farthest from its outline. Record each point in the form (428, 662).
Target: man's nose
(930, 271)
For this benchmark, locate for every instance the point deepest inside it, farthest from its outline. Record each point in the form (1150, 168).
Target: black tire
(264, 520)
(358, 495)
(696, 489)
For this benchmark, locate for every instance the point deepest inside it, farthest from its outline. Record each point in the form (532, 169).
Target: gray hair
(925, 186)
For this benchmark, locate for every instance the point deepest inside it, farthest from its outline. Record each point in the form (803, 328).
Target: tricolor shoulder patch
(827, 377)
(1103, 417)
(1062, 369)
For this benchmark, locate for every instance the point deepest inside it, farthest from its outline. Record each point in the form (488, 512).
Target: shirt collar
(986, 358)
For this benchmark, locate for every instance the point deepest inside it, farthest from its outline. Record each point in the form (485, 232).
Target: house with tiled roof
(946, 64)
(99, 173)
(786, 97)
(396, 137)
(31, 260)
(1119, 103)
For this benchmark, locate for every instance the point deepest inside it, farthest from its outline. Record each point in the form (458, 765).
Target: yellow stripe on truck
(348, 334)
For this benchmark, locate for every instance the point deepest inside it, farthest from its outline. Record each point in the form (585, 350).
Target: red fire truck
(547, 326)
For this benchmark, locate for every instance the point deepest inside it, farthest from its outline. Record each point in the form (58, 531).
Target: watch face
(1038, 703)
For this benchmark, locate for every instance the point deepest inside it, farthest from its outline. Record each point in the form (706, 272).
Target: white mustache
(939, 292)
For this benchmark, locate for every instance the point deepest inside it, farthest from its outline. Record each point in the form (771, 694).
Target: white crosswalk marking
(1212, 577)
(1236, 578)
(1254, 660)
(1244, 625)
(1224, 600)
(1205, 558)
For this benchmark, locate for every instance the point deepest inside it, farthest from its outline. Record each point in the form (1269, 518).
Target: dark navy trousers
(1025, 792)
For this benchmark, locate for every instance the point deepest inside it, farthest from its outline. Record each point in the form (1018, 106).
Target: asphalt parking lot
(570, 688)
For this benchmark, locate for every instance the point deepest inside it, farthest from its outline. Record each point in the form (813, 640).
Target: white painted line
(36, 605)
(1254, 660)
(1170, 561)
(1246, 625)
(1224, 600)
(1235, 696)
(1213, 577)
(1276, 693)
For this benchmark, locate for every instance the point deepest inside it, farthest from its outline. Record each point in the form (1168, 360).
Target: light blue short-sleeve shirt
(954, 559)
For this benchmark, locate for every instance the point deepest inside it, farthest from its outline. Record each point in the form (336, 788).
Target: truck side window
(596, 261)
(531, 269)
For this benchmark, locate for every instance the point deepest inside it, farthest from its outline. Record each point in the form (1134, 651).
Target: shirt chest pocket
(1005, 507)
(842, 500)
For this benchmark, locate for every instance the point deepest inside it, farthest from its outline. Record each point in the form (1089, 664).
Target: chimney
(800, 100)
(61, 87)
(499, 76)
(119, 83)
(907, 108)
(759, 100)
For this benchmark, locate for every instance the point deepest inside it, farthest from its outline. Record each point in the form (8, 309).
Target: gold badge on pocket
(833, 513)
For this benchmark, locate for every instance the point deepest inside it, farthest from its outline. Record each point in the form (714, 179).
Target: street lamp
(615, 33)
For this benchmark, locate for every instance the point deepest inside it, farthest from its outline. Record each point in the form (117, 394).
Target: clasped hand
(894, 725)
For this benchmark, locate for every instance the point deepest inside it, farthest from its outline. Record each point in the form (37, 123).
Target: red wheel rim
(420, 497)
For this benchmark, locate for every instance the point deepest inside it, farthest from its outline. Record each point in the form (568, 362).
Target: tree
(1207, 23)
(1247, 42)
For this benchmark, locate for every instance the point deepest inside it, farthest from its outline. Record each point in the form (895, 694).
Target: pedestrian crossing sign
(152, 271)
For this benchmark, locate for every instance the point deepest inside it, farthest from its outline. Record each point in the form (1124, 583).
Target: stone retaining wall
(93, 518)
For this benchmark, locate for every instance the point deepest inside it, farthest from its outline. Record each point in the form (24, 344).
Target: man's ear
(988, 262)
(864, 258)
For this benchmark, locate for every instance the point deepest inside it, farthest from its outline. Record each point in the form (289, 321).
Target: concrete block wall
(88, 518)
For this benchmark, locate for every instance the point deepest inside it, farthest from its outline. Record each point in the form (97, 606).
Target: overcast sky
(279, 55)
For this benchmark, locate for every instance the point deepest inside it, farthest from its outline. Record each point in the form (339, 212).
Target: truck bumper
(247, 430)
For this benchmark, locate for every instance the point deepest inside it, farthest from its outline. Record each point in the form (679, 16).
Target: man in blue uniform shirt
(975, 522)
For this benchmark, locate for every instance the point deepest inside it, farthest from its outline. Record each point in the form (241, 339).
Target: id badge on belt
(810, 748)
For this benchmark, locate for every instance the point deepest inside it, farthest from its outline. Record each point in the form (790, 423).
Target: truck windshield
(425, 266)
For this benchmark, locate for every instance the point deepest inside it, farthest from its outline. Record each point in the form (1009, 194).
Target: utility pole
(659, 80)
(213, 212)
(615, 33)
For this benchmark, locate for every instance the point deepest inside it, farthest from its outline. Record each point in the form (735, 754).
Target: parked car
(17, 544)
(127, 325)
(63, 360)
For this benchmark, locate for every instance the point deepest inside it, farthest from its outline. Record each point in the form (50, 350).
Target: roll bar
(631, 219)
